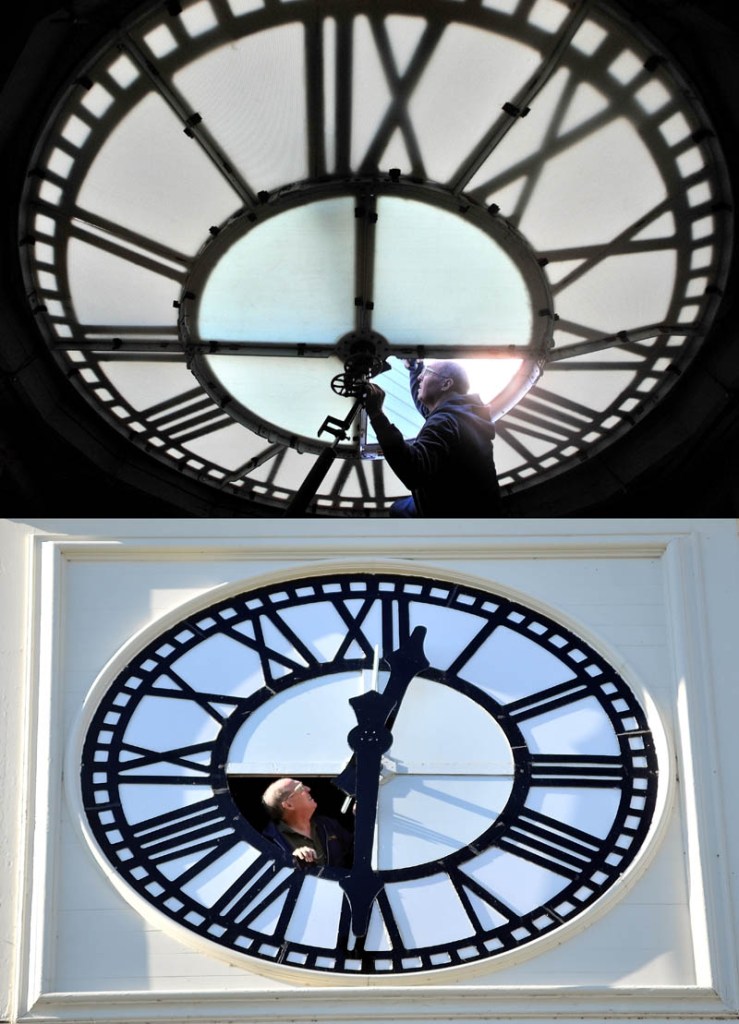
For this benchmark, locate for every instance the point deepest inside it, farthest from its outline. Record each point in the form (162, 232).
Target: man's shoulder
(326, 821)
(445, 418)
(331, 825)
(464, 411)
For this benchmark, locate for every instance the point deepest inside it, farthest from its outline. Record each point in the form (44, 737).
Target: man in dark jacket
(303, 836)
(449, 467)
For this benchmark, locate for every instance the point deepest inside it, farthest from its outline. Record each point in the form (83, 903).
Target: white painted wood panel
(624, 604)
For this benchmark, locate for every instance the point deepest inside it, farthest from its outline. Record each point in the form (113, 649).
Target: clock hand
(369, 740)
(405, 663)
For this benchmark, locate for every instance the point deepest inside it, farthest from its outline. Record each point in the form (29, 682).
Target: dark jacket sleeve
(281, 844)
(414, 462)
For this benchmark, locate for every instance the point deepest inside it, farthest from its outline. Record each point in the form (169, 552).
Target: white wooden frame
(702, 595)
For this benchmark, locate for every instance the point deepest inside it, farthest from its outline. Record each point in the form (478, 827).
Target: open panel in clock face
(516, 784)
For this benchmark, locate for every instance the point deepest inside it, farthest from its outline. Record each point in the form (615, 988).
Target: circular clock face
(235, 197)
(503, 776)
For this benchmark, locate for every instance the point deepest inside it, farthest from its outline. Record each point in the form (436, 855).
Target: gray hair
(456, 373)
(273, 797)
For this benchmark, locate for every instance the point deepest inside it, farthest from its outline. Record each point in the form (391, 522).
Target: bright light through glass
(488, 378)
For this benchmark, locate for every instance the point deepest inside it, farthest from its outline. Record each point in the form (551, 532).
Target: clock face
(504, 774)
(235, 197)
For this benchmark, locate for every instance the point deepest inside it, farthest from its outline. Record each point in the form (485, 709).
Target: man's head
(439, 381)
(288, 800)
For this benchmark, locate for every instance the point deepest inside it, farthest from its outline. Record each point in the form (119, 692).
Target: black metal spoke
(272, 451)
(621, 339)
(364, 263)
(518, 105)
(191, 120)
(130, 245)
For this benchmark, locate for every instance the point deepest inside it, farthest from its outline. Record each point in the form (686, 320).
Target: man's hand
(306, 854)
(373, 398)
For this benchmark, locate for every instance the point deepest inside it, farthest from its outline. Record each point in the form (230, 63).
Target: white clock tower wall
(656, 599)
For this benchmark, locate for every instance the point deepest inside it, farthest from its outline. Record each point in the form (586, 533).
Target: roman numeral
(530, 166)
(353, 623)
(545, 414)
(315, 97)
(259, 635)
(623, 244)
(576, 770)
(474, 645)
(134, 760)
(395, 624)
(349, 469)
(343, 91)
(218, 705)
(543, 701)
(550, 844)
(262, 885)
(186, 416)
(117, 240)
(513, 440)
(195, 829)
(519, 104)
(401, 87)
(465, 885)
(381, 916)
(329, 57)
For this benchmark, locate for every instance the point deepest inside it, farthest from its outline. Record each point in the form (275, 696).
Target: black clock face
(505, 775)
(234, 199)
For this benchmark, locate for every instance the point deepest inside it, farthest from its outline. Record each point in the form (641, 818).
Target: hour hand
(377, 711)
(369, 738)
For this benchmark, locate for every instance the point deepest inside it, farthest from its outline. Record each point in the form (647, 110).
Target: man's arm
(412, 461)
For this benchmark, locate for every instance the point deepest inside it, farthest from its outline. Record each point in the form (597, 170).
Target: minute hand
(369, 740)
(405, 663)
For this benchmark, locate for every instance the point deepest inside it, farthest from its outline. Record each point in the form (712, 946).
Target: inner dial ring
(321, 243)
(442, 790)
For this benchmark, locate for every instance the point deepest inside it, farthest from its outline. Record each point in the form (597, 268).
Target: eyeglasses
(429, 369)
(292, 792)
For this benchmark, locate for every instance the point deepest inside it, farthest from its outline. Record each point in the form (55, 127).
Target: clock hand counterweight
(370, 739)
